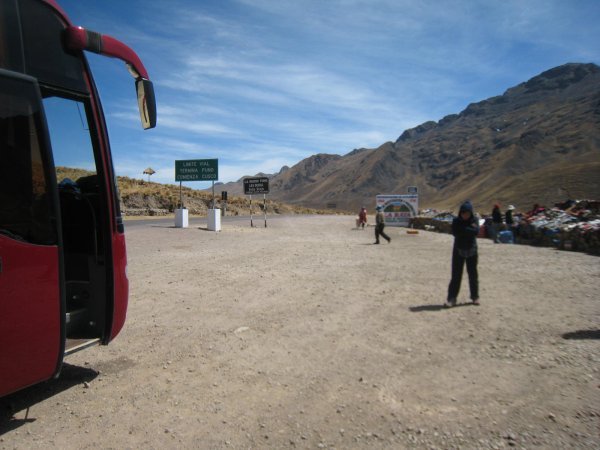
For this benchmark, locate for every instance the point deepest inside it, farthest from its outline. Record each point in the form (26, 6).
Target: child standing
(362, 218)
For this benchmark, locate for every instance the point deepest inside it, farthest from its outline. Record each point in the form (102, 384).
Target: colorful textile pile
(572, 225)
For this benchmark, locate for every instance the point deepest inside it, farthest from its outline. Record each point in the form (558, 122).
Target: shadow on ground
(582, 334)
(23, 400)
(438, 307)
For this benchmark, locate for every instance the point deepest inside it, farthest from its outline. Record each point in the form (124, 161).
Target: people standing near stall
(496, 222)
(537, 209)
(508, 217)
(465, 228)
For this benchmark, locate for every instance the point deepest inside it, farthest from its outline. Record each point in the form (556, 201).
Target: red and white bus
(63, 266)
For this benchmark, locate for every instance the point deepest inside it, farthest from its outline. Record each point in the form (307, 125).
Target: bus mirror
(78, 38)
(146, 102)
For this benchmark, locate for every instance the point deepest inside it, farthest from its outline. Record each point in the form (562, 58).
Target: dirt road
(305, 335)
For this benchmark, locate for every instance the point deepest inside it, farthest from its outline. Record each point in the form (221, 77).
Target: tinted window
(25, 208)
(11, 50)
(45, 57)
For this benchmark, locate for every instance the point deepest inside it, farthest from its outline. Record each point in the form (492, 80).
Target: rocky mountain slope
(537, 142)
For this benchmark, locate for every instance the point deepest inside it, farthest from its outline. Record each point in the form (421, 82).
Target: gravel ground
(305, 335)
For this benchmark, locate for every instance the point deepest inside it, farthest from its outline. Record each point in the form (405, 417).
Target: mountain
(537, 142)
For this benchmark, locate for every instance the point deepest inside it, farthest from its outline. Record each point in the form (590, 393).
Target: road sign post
(251, 224)
(257, 186)
(197, 170)
(223, 202)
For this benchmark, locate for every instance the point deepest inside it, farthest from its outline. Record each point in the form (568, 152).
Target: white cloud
(263, 83)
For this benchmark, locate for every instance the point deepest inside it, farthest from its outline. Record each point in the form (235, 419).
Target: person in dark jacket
(509, 217)
(465, 229)
(496, 222)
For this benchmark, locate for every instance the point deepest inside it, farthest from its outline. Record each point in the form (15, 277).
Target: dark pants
(457, 270)
(379, 232)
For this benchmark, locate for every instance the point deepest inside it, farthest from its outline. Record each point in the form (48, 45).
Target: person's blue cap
(466, 206)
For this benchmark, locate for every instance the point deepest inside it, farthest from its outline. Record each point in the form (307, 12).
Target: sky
(259, 84)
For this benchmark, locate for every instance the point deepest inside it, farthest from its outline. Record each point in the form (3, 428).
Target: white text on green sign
(197, 170)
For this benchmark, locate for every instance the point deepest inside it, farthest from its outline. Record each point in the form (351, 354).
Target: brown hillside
(538, 142)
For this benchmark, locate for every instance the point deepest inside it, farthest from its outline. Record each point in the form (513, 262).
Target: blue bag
(506, 237)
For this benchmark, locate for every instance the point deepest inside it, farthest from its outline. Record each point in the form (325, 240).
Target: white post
(265, 208)
(214, 220)
(181, 218)
(213, 192)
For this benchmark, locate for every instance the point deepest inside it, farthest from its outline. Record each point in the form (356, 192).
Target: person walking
(496, 222)
(465, 228)
(380, 225)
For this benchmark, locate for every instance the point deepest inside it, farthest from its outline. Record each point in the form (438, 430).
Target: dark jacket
(509, 217)
(496, 215)
(465, 232)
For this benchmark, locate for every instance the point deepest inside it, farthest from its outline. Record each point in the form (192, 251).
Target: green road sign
(197, 170)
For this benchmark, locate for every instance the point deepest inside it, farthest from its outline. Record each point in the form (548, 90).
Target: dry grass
(156, 198)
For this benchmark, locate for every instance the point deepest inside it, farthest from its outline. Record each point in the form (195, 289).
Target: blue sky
(260, 84)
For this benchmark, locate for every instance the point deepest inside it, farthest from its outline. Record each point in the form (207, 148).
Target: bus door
(31, 292)
(84, 211)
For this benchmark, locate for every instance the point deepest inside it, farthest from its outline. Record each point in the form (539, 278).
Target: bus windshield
(54, 49)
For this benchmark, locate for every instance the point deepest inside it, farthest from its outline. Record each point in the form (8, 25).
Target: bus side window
(25, 203)
(70, 137)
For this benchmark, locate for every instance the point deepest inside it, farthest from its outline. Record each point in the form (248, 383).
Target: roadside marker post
(213, 195)
(257, 186)
(223, 203)
(251, 224)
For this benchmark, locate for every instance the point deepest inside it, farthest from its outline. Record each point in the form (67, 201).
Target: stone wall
(145, 212)
(430, 224)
